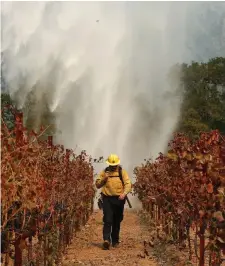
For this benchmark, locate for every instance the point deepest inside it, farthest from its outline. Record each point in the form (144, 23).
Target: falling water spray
(104, 68)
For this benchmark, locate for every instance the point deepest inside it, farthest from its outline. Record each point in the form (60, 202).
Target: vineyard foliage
(44, 186)
(188, 185)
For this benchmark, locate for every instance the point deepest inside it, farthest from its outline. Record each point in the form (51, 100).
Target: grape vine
(185, 189)
(47, 194)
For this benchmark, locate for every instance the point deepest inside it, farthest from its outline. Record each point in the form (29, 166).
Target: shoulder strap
(106, 169)
(121, 174)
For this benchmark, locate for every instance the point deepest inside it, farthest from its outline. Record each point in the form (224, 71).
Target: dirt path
(86, 246)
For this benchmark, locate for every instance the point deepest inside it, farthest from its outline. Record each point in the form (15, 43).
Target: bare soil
(86, 248)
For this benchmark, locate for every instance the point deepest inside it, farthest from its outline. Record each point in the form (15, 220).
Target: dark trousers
(112, 217)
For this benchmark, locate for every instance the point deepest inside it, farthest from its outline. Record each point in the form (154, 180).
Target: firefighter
(115, 184)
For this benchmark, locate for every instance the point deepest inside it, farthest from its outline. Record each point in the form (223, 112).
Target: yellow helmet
(113, 160)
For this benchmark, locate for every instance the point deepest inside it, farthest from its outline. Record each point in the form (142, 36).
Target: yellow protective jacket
(111, 184)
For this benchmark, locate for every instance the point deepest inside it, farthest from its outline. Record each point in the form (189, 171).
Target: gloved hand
(122, 196)
(104, 180)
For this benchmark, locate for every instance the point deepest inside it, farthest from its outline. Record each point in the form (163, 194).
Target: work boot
(106, 245)
(115, 245)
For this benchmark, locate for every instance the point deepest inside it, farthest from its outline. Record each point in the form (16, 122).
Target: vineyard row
(184, 192)
(47, 194)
